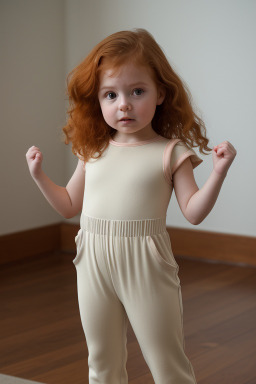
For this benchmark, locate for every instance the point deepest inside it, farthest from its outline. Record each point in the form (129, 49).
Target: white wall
(32, 107)
(210, 44)
(212, 47)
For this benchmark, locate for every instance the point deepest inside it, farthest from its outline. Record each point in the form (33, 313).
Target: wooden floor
(41, 336)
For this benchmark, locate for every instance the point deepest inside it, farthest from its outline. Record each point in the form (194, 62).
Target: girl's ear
(161, 95)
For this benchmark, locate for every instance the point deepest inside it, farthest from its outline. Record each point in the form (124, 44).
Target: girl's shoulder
(176, 152)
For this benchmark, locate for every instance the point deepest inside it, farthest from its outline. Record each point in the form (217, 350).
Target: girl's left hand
(223, 156)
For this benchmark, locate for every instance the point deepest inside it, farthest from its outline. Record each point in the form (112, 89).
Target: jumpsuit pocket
(162, 252)
(79, 243)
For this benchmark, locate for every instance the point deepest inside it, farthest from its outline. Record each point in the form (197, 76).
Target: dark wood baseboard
(213, 246)
(16, 246)
(196, 244)
(68, 234)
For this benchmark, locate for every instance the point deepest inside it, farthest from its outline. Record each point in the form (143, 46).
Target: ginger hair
(174, 118)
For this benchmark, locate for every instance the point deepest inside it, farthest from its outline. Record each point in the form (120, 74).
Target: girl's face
(128, 98)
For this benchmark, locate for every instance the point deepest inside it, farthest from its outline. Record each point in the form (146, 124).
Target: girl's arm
(67, 201)
(196, 203)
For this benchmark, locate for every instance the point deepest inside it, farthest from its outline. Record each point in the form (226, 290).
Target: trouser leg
(103, 317)
(150, 290)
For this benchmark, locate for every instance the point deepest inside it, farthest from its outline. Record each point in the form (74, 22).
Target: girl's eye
(110, 95)
(138, 92)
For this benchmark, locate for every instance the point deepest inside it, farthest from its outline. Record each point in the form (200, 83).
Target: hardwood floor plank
(231, 353)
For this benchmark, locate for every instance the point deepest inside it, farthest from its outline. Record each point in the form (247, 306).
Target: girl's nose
(125, 106)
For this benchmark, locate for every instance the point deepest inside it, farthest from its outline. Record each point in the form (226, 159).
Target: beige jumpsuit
(125, 265)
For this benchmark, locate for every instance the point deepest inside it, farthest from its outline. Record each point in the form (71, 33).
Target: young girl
(132, 128)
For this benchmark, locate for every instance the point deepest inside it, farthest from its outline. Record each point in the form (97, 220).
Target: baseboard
(212, 246)
(68, 233)
(189, 243)
(16, 246)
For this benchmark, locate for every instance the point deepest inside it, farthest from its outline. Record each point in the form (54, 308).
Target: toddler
(133, 129)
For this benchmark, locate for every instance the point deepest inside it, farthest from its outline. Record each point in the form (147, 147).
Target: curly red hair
(174, 118)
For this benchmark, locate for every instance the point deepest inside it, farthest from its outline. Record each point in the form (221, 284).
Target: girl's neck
(134, 138)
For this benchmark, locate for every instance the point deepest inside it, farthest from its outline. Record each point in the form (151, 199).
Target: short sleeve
(175, 153)
(180, 153)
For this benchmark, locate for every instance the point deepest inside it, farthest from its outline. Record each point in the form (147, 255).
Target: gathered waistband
(123, 227)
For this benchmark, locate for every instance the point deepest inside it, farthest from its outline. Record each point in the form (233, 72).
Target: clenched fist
(34, 159)
(223, 156)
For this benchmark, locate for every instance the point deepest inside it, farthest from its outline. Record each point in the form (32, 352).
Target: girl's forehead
(127, 70)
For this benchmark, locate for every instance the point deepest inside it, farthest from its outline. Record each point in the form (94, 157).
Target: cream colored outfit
(125, 264)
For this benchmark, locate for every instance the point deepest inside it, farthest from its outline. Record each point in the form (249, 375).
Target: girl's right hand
(34, 159)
